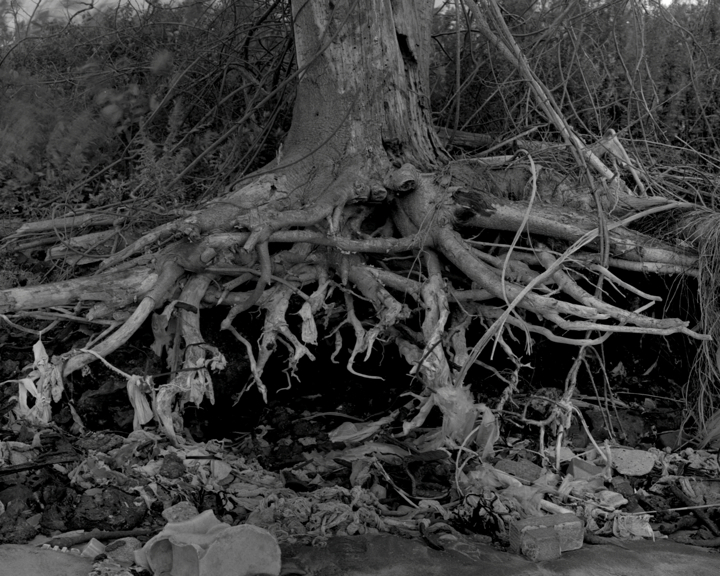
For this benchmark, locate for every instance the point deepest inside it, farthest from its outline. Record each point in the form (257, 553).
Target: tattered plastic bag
(204, 546)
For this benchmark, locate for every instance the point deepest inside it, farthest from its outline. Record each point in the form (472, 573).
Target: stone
(180, 512)
(622, 486)
(109, 507)
(610, 499)
(16, 492)
(632, 462)
(122, 551)
(172, 466)
(584, 470)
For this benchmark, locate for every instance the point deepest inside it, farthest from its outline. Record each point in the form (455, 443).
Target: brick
(622, 486)
(568, 527)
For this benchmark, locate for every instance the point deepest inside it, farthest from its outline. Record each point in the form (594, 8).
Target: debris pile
(537, 496)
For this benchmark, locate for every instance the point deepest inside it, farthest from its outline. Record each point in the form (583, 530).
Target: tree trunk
(362, 172)
(360, 109)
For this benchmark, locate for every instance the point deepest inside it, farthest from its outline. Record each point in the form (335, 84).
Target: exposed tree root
(191, 381)
(331, 252)
(363, 206)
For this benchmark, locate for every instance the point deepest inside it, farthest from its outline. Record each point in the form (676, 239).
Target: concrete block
(540, 544)
(568, 527)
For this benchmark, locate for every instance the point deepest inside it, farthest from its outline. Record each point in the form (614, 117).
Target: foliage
(646, 70)
(190, 94)
(82, 101)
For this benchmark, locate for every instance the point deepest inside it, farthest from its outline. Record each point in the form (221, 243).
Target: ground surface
(391, 555)
(306, 448)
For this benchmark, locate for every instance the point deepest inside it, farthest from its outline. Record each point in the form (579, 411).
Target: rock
(14, 525)
(53, 518)
(610, 499)
(180, 512)
(172, 466)
(110, 508)
(122, 551)
(16, 492)
(583, 470)
(632, 462)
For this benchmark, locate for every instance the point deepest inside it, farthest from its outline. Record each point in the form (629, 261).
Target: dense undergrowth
(168, 103)
(162, 105)
(154, 109)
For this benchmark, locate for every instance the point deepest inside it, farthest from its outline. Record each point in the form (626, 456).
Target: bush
(151, 97)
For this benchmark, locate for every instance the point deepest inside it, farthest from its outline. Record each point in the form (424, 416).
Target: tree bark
(362, 172)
